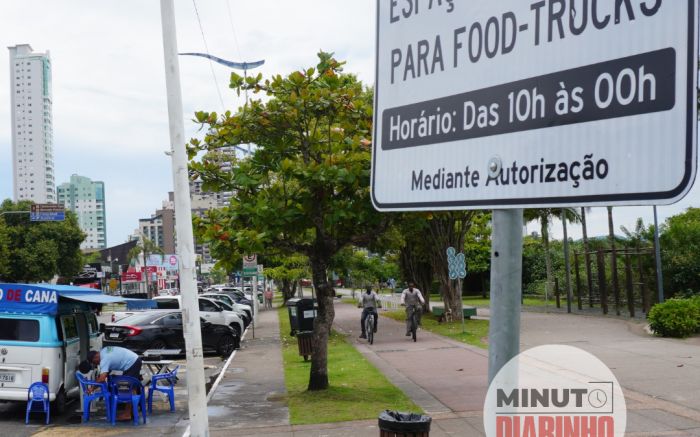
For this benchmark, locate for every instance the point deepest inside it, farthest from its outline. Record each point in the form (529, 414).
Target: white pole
(196, 389)
(506, 288)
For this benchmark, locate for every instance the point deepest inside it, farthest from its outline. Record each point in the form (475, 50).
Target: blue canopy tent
(44, 298)
(140, 304)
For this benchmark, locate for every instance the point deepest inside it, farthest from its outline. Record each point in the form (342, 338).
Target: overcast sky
(109, 109)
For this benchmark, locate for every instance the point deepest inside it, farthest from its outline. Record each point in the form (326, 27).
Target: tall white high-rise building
(32, 127)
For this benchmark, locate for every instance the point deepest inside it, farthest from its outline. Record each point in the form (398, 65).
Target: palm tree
(637, 238)
(544, 217)
(613, 260)
(587, 257)
(144, 247)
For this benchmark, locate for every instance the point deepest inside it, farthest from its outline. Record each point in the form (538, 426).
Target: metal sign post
(250, 268)
(196, 388)
(506, 287)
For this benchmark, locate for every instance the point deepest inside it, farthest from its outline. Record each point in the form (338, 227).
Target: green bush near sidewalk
(357, 389)
(676, 318)
(476, 331)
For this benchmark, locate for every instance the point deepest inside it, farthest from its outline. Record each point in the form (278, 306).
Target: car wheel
(226, 346)
(59, 404)
(236, 329)
(157, 344)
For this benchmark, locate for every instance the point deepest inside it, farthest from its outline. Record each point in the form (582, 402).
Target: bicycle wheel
(369, 328)
(414, 325)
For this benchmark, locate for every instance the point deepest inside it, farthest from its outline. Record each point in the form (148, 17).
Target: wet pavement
(251, 391)
(161, 423)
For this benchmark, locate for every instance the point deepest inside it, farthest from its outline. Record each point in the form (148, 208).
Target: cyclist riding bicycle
(369, 302)
(411, 297)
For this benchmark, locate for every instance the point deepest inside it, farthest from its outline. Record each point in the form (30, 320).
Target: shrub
(676, 317)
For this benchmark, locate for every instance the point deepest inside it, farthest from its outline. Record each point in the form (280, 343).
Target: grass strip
(485, 302)
(476, 331)
(357, 389)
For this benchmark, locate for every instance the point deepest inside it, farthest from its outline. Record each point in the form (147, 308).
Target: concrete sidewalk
(251, 392)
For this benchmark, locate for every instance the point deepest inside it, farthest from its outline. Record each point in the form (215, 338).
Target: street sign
(456, 264)
(47, 212)
(511, 104)
(250, 265)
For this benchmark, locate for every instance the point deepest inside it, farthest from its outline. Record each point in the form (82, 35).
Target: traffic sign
(456, 264)
(511, 104)
(250, 265)
(47, 212)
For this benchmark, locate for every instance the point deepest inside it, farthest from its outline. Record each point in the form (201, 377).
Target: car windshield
(224, 305)
(138, 319)
(220, 298)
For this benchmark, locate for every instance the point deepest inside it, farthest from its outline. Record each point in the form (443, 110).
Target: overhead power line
(206, 48)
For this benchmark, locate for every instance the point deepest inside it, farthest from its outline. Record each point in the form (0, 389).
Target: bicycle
(414, 321)
(369, 327)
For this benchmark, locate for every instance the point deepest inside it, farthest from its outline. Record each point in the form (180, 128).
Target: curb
(219, 377)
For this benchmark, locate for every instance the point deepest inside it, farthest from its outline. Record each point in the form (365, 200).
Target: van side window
(19, 330)
(168, 304)
(92, 323)
(70, 329)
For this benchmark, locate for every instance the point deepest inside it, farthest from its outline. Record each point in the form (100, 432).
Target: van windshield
(19, 330)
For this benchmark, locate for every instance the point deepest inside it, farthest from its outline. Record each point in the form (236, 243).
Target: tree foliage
(680, 245)
(305, 189)
(38, 251)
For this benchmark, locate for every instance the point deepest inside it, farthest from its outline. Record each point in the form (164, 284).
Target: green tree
(287, 269)
(38, 251)
(477, 249)
(680, 244)
(544, 217)
(4, 249)
(306, 188)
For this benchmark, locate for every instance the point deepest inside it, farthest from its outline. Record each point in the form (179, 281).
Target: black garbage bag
(395, 421)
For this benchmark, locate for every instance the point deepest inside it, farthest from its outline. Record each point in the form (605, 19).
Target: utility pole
(196, 390)
(506, 287)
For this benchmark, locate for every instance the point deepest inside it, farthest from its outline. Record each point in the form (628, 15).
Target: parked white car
(209, 309)
(242, 310)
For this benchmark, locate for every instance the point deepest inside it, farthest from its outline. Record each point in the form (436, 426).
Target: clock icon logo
(597, 398)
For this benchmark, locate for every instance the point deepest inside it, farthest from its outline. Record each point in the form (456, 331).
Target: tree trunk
(613, 261)
(415, 268)
(287, 290)
(587, 257)
(544, 223)
(318, 378)
(448, 230)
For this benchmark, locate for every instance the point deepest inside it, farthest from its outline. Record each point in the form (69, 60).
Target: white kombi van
(45, 332)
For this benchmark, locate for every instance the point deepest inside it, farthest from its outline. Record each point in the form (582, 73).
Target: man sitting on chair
(112, 358)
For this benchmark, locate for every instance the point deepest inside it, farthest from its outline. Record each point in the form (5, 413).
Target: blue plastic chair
(38, 392)
(102, 393)
(168, 387)
(127, 390)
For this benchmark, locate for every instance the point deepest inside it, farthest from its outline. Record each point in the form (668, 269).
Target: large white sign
(513, 103)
